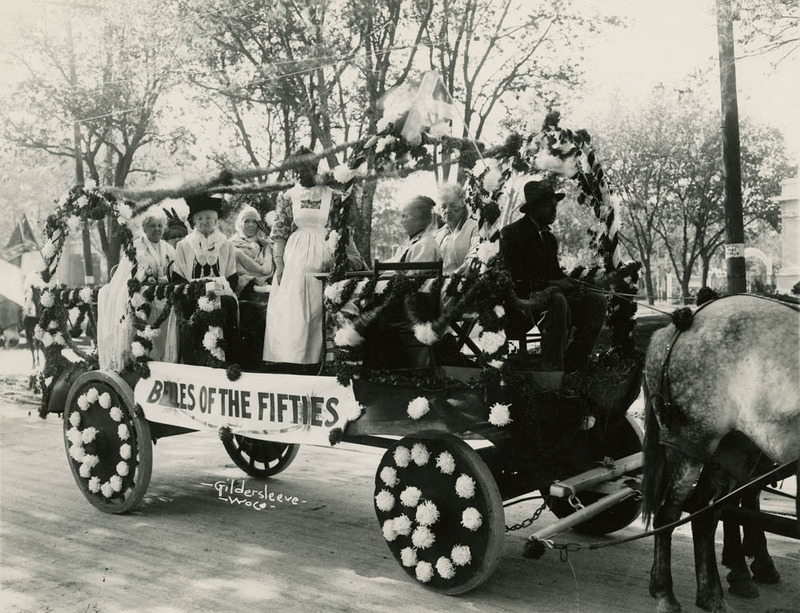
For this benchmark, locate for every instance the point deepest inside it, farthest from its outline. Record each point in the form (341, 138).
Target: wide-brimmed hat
(203, 202)
(539, 192)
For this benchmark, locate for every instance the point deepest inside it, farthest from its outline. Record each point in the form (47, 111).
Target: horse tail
(654, 473)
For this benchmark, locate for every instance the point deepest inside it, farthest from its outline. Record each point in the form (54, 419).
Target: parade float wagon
(478, 425)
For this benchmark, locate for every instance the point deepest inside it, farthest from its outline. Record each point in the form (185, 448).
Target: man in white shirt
(458, 238)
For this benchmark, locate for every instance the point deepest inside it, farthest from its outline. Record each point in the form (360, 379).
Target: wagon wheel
(259, 459)
(440, 511)
(623, 438)
(108, 442)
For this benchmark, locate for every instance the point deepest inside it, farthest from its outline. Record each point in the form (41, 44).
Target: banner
(282, 408)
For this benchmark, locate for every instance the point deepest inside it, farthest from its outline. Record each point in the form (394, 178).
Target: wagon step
(592, 479)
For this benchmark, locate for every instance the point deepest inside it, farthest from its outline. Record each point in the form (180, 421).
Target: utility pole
(732, 166)
(88, 268)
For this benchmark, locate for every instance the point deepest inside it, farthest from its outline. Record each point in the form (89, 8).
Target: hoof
(765, 573)
(715, 605)
(668, 605)
(741, 584)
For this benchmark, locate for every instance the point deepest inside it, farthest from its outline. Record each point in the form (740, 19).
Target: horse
(733, 366)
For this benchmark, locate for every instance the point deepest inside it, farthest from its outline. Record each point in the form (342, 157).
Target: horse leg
(733, 556)
(685, 472)
(709, 587)
(755, 546)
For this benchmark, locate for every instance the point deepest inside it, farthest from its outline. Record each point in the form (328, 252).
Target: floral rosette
(101, 442)
(433, 515)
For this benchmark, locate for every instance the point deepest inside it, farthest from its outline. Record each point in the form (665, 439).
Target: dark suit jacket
(531, 258)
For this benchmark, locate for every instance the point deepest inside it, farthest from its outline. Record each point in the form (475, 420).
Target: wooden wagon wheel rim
(141, 456)
(485, 555)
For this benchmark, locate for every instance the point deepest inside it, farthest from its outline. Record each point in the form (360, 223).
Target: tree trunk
(648, 281)
(705, 265)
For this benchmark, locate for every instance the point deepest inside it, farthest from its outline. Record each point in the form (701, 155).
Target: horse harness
(726, 462)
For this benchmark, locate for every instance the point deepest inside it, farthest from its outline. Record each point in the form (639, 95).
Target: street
(195, 544)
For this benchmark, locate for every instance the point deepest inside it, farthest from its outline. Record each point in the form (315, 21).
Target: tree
(770, 27)
(110, 85)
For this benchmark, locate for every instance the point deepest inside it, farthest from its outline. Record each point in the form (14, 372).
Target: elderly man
(458, 238)
(420, 246)
(530, 253)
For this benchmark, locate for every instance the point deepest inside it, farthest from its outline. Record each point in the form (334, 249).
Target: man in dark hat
(529, 252)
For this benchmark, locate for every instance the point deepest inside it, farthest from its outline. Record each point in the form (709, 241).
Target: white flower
(445, 568)
(85, 295)
(499, 310)
(487, 251)
(125, 451)
(115, 413)
(123, 469)
(205, 304)
(116, 483)
(499, 415)
(410, 496)
(47, 339)
(88, 435)
(422, 537)
(77, 452)
(461, 555)
(402, 456)
(150, 332)
(138, 300)
(124, 214)
(389, 476)
(491, 180)
(85, 471)
(211, 336)
(107, 490)
(58, 339)
(465, 486)
(37, 332)
(74, 419)
(420, 454)
(90, 184)
(137, 349)
(347, 336)
(427, 513)
(446, 462)
(384, 142)
(94, 485)
(52, 326)
(353, 411)
(425, 333)
(90, 460)
(92, 395)
(83, 402)
(402, 525)
(47, 300)
(471, 519)
(389, 532)
(74, 436)
(381, 286)
(122, 432)
(491, 342)
(384, 500)
(105, 400)
(333, 292)
(408, 556)
(342, 173)
(418, 407)
(48, 250)
(424, 572)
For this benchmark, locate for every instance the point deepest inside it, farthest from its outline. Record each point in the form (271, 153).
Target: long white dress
(294, 315)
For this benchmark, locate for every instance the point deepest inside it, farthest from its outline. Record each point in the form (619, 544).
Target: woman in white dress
(253, 253)
(114, 329)
(294, 316)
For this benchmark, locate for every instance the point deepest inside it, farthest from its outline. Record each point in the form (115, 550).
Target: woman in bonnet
(253, 253)
(206, 253)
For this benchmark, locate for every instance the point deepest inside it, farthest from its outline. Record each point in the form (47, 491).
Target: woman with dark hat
(206, 254)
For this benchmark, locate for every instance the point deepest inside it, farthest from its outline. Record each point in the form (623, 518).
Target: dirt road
(184, 549)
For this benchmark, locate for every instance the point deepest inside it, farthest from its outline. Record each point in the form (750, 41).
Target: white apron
(294, 314)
